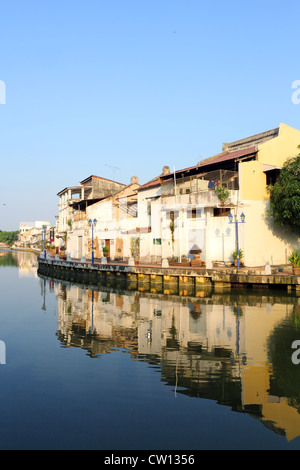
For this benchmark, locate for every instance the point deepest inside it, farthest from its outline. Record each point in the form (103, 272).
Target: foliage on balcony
(222, 193)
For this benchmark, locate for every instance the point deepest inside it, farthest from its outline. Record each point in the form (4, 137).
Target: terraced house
(183, 216)
(72, 206)
(240, 173)
(190, 207)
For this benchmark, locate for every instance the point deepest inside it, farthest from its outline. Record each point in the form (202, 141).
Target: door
(119, 248)
(107, 249)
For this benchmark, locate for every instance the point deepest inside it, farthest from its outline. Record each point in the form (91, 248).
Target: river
(93, 367)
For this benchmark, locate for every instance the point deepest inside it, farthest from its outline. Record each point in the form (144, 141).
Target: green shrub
(294, 259)
(222, 193)
(234, 254)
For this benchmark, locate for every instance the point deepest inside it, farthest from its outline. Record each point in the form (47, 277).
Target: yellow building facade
(263, 242)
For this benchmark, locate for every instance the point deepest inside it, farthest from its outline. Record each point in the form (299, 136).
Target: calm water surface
(101, 368)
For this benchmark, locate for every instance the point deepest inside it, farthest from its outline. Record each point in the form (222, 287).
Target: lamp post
(91, 328)
(234, 220)
(44, 230)
(92, 224)
(44, 295)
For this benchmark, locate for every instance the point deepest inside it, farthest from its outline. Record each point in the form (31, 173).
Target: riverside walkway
(170, 277)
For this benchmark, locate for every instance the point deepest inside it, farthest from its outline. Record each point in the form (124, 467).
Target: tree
(9, 237)
(285, 196)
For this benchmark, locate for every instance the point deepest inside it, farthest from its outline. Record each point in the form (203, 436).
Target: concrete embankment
(171, 279)
(26, 250)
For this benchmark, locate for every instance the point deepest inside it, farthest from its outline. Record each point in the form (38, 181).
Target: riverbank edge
(23, 250)
(180, 277)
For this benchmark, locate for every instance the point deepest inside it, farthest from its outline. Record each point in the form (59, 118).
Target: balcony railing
(203, 182)
(206, 198)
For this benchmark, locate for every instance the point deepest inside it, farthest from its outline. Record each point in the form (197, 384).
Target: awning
(270, 167)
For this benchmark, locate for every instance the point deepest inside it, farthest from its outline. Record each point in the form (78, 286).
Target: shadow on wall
(223, 236)
(283, 233)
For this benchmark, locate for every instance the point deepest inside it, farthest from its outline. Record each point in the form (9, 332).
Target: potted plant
(52, 249)
(105, 250)
(294, 259)
(222, 193)
(196, 251)
(234, 255)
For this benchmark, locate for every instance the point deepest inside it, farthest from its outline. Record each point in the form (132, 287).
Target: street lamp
(44, 230)
(44, 294)
(92, 223)
(234, 220)
(92, 330)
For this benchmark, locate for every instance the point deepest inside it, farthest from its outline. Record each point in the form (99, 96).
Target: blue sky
(134, 84)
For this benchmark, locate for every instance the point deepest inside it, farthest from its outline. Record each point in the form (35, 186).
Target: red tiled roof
(222, 157)
(150, 184)
(229, 156)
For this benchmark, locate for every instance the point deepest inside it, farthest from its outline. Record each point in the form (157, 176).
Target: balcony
(79, 216)
(200, 182)
(200, 189)
(206, 198)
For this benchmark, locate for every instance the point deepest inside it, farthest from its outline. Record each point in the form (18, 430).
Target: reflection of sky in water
(104, 368)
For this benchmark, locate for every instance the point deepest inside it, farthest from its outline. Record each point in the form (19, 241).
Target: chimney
(134, 180)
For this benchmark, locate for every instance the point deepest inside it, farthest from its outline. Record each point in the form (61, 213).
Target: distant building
(31, 233)
(90, 190)
(115, 216)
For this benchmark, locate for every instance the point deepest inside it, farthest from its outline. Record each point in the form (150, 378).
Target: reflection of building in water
(275, 411)
(158, 324)
(27, 263)
(207, 348)
(92, 320)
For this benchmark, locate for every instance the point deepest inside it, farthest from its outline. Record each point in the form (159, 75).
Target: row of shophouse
(179, 215)
(33, 234)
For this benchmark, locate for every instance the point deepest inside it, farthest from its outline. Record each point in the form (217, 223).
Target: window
(156, 312)
(184, 191)
(156, 241)
(221, 212)
(193, 213)
(272, 176)
(172, 215)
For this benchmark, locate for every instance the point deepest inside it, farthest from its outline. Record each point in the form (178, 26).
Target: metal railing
(200, 183)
